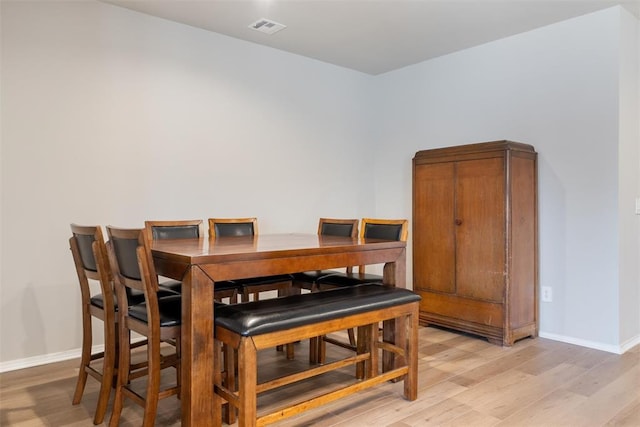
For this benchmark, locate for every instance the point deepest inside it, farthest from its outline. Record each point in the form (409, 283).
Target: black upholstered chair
(308, 279)
(326, 227)
(230, 227)
(183, 229)
(91, 262)
(371, 228)
(188, 229)
(156, 318)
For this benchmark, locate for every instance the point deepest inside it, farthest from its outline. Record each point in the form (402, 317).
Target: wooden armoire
(475, 239)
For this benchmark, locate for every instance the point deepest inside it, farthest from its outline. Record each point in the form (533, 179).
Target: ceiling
(372, 36)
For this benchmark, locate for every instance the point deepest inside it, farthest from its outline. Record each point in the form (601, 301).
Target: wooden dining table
(199, 263)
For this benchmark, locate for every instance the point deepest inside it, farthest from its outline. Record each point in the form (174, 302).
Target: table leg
(394, 274)
(197, 368)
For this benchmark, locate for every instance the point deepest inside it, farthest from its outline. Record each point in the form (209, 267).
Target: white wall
(114, 117)
(557, 89)
(629, 178)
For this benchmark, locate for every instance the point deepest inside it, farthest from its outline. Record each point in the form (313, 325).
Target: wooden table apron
(201, 262)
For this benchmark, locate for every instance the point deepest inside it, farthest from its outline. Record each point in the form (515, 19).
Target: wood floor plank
(547, 360)
(629, 416)
(606, 403)
(506, 393)
(511, 358)
(472, 418)
(463, 381)
(546, 411)
(602, 374)
(387, 412)
(440, 413)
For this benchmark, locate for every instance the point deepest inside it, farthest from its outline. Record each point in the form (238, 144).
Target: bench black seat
(247, 328)
(277, 314)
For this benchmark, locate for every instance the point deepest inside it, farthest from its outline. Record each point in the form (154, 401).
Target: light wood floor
(464, 381)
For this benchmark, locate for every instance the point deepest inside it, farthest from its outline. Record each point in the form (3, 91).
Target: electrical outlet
(547, 294)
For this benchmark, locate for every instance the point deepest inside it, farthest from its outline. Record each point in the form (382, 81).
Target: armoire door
(434, 230)
(480, 229)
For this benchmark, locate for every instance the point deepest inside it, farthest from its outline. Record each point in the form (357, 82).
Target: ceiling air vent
(267, 26)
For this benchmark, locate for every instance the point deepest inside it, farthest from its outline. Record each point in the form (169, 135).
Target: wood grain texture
(463, 381)
(475, 239)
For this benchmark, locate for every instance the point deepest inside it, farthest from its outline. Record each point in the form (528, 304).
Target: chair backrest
(225, 227)
(386, 229)
(338, 227)
(133, 269)
(122, 249)
(91, 261)
(182, 229)
(123, 244)
(148, 275)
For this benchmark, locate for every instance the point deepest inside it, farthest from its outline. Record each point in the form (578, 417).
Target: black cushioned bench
(252, 326)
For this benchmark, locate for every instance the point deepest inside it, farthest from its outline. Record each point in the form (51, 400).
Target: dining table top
(207, 250)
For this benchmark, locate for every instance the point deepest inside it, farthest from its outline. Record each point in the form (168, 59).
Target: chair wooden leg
(124, 360)
(217, 379)
(153, 383)
(116, 355)
(85, 359)
(108, 371)
(245, 296)
(230, 380)
(352, 337)
(372, 366)
(313, 350)
(321, 357)
(290, 351)
(363, 346)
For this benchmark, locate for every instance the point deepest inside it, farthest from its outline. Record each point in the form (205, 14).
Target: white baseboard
(616, 349)
(629, 344)
(30, 362)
